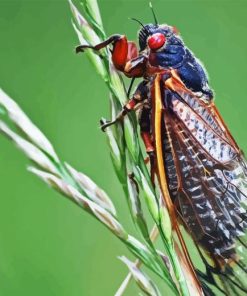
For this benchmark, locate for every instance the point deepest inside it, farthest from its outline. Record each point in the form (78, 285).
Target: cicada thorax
(170, 53)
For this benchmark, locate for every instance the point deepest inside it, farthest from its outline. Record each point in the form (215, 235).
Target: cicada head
(155, 37)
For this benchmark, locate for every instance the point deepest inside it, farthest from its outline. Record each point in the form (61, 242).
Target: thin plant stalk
(153, 236)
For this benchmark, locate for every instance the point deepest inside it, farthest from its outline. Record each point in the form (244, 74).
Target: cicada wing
(206, 173)
(209, 201)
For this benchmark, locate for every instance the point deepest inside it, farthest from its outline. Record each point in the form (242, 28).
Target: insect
(193, 154)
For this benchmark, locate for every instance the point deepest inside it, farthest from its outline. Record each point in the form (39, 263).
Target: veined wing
(206, 172)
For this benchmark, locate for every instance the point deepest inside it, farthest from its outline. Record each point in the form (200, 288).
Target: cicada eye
(156, 41)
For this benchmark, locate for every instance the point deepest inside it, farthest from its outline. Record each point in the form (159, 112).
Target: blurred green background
(48, 246)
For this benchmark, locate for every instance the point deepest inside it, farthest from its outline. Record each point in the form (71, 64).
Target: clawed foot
(105, 124)
(80, 48)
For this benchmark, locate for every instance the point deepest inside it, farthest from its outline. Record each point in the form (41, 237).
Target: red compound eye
(156, 41)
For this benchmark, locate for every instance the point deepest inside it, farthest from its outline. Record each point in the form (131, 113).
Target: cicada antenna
(155, 18)
(136, 20)
(140, 23)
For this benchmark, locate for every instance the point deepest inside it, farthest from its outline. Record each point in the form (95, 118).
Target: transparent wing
(206, 172)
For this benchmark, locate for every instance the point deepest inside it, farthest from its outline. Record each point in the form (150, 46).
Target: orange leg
(125, 55)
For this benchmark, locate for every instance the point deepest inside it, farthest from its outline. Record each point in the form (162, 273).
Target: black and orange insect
(201, 170)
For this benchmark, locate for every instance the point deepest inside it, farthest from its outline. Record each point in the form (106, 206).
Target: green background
(48, 246)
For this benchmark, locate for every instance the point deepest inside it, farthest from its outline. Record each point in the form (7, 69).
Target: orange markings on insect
(175, 30)
(147, 141)
(131, 104)
(132, 51)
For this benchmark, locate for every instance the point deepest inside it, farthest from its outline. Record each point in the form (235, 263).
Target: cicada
(201, 170)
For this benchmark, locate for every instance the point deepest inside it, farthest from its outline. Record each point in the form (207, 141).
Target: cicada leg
(137, 99)
(145, 126)
(125, 56)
